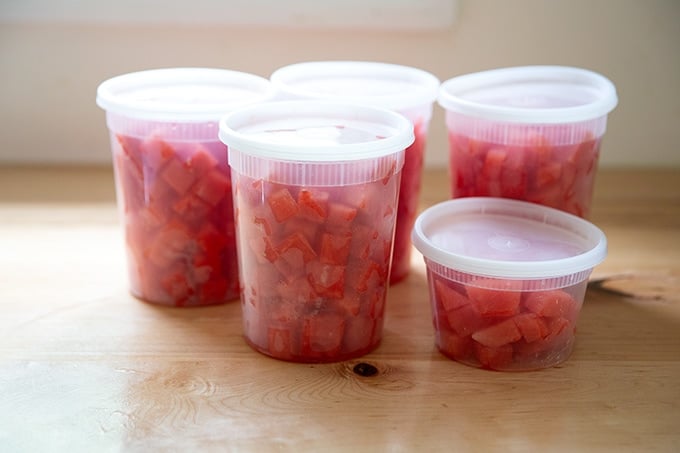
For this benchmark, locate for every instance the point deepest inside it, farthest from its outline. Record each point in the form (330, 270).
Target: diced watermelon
(492, 302)
(192, 209)
(466, 320)
(323, 333)
(172, 242)
(358, 335)
(364, 239)
(175, 175)
(364, 276)
(548, 174)
(213, 187)
(449, 298)
(299, 242)
(266, 226)
(131, 183)
(531, 326)
(505, 332)
(307, 246)
(514, 177)
(327, 280)
(350, 304)
(313, 205)
(407, 206)
(340, 217)
(130, 148)
(493, 358)
(201, 161)
(550, 304)
(175, 283)
(214, 288)
(279, 343)
(453, 345)
(492, 170)
(157, 153)
(210, 238)
(282, 204)
(291, 264)
(553, 347)
(297, 290)
(334, 248)
(560, 176)
(263, 249)
(299, 226)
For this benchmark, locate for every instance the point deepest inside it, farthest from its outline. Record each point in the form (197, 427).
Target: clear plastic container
(404, 89)
(507, 279)
(529, 133)
(315, 190)
(173, 182)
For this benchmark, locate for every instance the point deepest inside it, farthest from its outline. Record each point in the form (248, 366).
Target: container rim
(528, 270)
(114, 94)
(452, 91)
(424, 92)
(307, 113)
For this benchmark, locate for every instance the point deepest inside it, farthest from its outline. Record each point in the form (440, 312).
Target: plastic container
(530, 133)
(173, 182)
(404, 89)
(507, 279)
(315, 189)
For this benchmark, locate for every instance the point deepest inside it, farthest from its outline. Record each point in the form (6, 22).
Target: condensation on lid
(181, 94)
(507, 238)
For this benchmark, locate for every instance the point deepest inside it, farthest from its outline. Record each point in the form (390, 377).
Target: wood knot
(365, 369)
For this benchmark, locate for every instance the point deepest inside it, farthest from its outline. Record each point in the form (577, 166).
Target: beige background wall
(49, 72)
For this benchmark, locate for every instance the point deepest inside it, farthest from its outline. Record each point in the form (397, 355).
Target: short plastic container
(406, 90)
(173, 181)
(507, 279)
(530, 133)
(315, 190)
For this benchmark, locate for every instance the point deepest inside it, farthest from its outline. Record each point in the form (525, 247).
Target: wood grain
(86, 367)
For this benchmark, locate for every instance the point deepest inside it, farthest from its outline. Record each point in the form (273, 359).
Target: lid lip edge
(527, 270)
(260, 148)
(108, 92)
(602, 106)
(427, 93)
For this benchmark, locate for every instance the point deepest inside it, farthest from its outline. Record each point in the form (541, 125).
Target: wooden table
(86, 367)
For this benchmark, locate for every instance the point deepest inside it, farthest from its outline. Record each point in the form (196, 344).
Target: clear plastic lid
(503, 238)
(181, 94)
(316, 142)
(385, 85)
(530, 94)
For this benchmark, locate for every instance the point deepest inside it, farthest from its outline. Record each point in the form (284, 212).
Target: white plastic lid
(316, 131)
(181, 94)
(503, 238)
(530, 94)
(385, 85)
